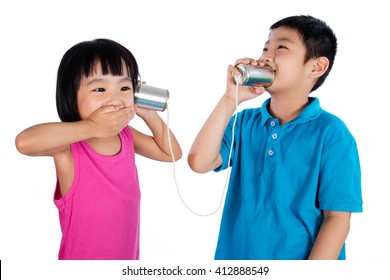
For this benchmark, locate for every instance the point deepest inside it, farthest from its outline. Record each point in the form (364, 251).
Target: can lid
(237, 78)
(243, 76)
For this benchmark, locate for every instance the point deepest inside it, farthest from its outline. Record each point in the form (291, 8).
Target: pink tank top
(100, 215)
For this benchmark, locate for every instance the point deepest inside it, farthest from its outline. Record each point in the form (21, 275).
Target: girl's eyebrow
(93, 81)
(100, 80)
(126, 79)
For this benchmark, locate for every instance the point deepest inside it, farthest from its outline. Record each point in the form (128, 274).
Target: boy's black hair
(80, 61)
(317, 37)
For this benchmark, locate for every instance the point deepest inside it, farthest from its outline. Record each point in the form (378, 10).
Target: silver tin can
(254, 75)
(151, 97)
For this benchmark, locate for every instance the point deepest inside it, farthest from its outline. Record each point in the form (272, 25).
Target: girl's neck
(108, 146)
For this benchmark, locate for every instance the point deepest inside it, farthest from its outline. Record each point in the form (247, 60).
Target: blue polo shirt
(282, 177)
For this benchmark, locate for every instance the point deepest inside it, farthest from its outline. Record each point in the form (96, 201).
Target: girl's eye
(99, 90)
(265, 49)
(125, 88)
(281, 47)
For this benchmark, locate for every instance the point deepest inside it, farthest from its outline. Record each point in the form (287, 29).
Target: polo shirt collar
(311, 112)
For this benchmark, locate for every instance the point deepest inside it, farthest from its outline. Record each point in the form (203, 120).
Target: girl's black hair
(80, 61)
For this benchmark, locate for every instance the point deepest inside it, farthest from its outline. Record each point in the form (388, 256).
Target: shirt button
(274, 136)
(272, 123)
(270, 152)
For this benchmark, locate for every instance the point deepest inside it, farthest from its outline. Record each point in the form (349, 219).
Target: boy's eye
(281, 47)
(265, 49)
(99, 90)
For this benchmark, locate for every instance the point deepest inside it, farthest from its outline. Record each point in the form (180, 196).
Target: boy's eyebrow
(283, 39)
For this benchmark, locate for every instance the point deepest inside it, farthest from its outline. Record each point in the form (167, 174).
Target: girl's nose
(121, 99)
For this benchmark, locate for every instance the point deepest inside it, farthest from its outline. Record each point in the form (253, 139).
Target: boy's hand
(244, 92)
(110, 120)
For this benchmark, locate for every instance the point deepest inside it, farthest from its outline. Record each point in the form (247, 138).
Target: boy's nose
(266, 57)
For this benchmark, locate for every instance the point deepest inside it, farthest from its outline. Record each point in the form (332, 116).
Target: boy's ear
(319, 67)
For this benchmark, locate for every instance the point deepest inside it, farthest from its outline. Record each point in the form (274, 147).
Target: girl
(97, 192)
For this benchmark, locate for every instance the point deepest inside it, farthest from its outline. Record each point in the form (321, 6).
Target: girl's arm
(49, 139)
(332, 236)
(156, 146)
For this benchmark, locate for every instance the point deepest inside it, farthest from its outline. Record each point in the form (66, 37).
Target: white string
(228, 172)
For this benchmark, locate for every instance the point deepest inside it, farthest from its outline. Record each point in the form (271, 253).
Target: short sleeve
(340, 177)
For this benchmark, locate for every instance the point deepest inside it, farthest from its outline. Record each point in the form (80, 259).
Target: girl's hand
(110, 120)
(144, 113)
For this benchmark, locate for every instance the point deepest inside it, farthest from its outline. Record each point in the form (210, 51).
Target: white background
(184, 46)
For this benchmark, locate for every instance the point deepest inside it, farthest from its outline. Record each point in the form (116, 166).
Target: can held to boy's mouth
(254, 75)
(149, 97)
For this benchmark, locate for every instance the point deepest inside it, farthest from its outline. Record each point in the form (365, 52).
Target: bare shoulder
(64, 164)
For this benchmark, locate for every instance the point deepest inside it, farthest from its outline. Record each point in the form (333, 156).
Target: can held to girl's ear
(149, 97)
(254, 75)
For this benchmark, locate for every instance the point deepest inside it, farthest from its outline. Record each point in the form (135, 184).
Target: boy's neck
(287, 109)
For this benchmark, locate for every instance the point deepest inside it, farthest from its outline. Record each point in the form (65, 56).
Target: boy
(295, 175)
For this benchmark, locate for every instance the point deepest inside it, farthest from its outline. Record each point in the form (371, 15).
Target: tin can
(149, 97)
(254, 75)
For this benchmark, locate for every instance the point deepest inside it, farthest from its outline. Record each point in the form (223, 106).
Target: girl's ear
(319, 67)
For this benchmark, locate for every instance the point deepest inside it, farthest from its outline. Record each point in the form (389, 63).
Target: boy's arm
(332, 236)
(204, 154)
(50, 138)
(157, 146)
